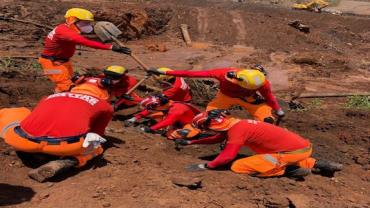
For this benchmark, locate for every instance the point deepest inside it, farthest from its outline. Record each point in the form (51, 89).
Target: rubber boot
(293, 171)
(50, 169)
(326, 168)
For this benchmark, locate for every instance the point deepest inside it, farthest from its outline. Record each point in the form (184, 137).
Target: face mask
(84, 27)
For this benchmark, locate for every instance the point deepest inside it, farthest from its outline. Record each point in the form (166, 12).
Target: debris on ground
(298, 25)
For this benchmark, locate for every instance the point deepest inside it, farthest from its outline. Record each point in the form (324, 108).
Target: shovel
(107, 31)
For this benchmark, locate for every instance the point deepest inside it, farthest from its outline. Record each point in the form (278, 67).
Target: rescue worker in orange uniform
(176, 88)
(67, 124)
(278, 151)
(60, 46)
(238, 87)
(120, 89)
(170, 115)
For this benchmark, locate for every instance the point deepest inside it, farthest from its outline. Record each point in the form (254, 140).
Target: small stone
(49, 184)
(189, 182)
(107, 204)
(43, 196)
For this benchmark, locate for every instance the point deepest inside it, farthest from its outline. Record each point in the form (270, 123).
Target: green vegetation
(358, 102)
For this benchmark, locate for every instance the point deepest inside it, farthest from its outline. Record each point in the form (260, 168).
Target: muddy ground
(137, 169)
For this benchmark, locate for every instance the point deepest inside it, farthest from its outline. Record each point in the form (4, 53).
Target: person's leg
(263, 165)
(260, 112)
(59, 73)
(221, 101)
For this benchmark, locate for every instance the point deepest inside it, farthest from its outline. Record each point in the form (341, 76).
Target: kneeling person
(278, 151)
(68, 124)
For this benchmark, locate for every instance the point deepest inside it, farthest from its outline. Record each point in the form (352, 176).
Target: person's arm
(209, 140)
(142, 114)
(171, 118)
(81, 40)
(227, 155)
(211, 73)
(266, 92)
(101, 120)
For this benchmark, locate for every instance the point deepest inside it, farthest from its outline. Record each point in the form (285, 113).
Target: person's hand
(120, 49)
(146, 129)
(182, 142)
(94, 140)
(279, 113)
(130, 122)
(77, 78)
(127, 97)
(197, 167)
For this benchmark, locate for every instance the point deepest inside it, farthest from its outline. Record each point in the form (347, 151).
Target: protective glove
(146, 129)
(130, 122)
(261, 69)
(155, 71)
(280, 113)
(94, 140)
(77, 78)
(197, 167)
(182, 142)
(127, 97)
(119, 49)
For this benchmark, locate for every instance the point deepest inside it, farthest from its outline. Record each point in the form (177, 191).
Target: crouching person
(68, 124)
(167, 114)
(278, 151)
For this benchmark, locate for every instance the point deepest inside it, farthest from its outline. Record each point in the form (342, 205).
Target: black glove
(127, 97)
(197, 167)
(154, 71)
(119, 49)
(146, 129)
(77, 78)
(182, 142)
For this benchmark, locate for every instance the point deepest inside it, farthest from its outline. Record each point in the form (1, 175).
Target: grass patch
(358, 102)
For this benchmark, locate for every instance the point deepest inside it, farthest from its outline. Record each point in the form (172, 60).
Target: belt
(299, 151)
(54, 58)
(50, 140)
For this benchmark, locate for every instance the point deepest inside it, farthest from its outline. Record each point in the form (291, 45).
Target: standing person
(278, 151)
(70, 125)
(60, 46)
(247, 88)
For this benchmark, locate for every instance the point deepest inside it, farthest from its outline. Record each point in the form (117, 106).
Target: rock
(298, 200)
(107, 204)
(43, 196)
(366, 167)
(49, 184)
(160, 47)
(276, 202)
(189, 182)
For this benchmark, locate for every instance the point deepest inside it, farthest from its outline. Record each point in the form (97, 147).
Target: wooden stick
(323, 95)
(27, 22)
(185, 33)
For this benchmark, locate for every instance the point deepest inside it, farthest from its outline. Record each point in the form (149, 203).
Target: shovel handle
(137, 85)
(132, 55)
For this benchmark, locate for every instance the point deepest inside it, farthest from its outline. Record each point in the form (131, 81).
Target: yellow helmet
(163, 77)
(115, 71)
(248, 78)
(81, 14)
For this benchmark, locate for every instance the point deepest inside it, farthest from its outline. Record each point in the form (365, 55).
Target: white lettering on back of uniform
(87, 98)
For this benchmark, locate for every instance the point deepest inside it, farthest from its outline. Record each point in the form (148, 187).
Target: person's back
(263, 137)
(67, 114)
